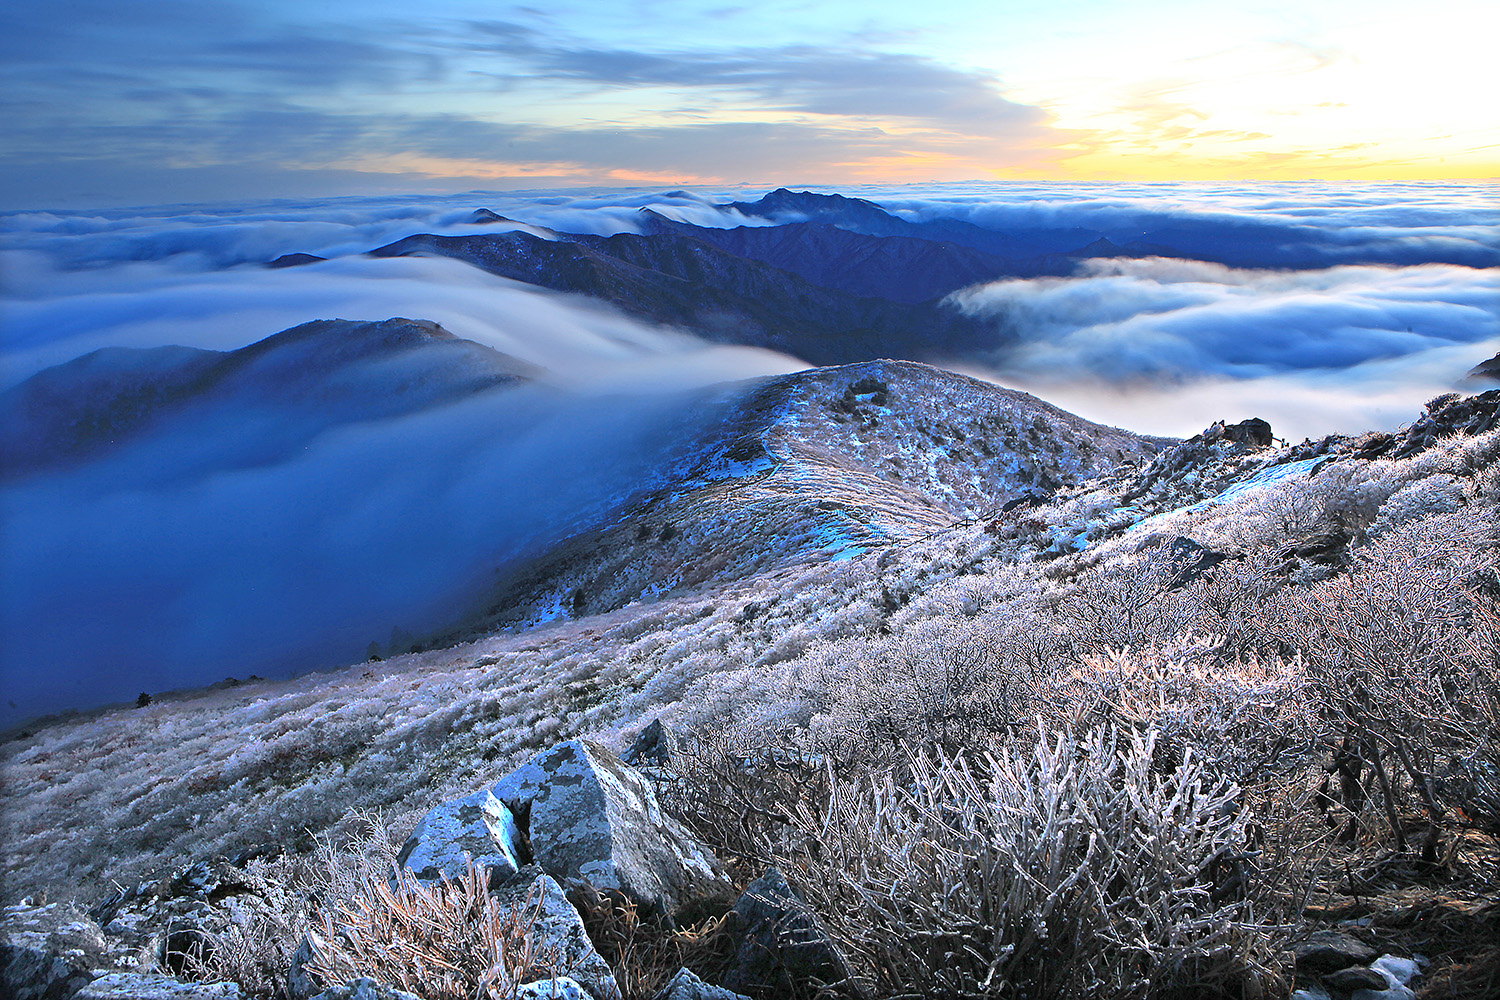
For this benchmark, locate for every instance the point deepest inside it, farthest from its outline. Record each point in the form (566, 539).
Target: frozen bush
(450, 941)
(1068, 869)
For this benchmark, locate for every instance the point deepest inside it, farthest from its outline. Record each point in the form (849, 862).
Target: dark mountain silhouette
(899, 268)
(294, 384)
(861, 216)
(295, 260)
(683, 281)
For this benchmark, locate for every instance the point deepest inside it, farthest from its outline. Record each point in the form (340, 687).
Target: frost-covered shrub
(1070, 868)
(1128, 603)
(1246, 717)
(450, 941)
(1401, 656)
(945, 681)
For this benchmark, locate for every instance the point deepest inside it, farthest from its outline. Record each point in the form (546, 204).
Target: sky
(157, 101)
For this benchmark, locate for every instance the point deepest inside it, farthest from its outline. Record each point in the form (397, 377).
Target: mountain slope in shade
(680, 281)
(861, 216)
(823, 464)
(1487, 370)
(280, 391)
(900, 268)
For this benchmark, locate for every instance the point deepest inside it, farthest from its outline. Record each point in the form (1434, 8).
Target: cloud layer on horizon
(375, 526)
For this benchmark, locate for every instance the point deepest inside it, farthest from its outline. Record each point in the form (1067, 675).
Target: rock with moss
(139, 986)
(558, 928)
(593, 817)
(477, 827)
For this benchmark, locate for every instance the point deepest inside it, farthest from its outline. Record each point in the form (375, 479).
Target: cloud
(1286, 225)
(99, 100)
(117, 586)
(1169, 320)
(303, 561)
(1170, 345)
(171, 561)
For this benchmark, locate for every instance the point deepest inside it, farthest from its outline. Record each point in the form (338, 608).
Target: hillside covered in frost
(688, 580)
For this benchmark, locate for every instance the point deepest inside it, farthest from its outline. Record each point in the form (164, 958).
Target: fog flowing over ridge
(253, 533)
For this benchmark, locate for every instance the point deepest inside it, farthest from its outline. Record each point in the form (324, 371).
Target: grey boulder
(49, 952)
(477, 826)
(558, 926)
(1329, 951)
(687, 986)
(1356, 977)
(784, 947)
(593, 817)
(138, 986)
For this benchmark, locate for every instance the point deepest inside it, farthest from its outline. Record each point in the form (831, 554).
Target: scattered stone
(654, 746)
(299, 983)
(559, 926)
(687, 986)
(135, 986)
(593, 817)
(1310, 993)
(784, 947)
(1328, 951)
(365, 989)
(1399, 971)
(478, 826)
(49, 952)
(1191, 560)
(561, 988)
(1356, 977)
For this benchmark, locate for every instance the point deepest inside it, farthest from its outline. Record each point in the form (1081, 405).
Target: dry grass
(449, 941)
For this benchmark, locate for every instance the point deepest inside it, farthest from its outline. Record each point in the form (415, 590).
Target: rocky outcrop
(477, 828)
(558, 926)
(593, 817)
(49, 952)
(136, 986)
(177, 921)
(784, 948)
(1489, 370)
(1445, 416)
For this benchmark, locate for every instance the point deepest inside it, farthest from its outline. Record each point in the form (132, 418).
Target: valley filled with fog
(274, 512)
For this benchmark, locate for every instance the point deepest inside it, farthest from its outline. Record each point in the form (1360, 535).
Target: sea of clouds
(1320, 307)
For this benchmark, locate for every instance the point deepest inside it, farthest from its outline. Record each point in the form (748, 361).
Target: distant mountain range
(854, 283)
(277, 393)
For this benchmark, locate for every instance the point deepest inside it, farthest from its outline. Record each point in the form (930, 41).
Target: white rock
(1399, 971)
(559, 926)
(561, 988)
(591, 816)
(476, 826)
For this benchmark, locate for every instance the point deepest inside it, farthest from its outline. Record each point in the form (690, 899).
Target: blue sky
(178, 100)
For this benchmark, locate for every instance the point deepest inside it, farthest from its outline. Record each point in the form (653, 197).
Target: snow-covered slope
(826, 464)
